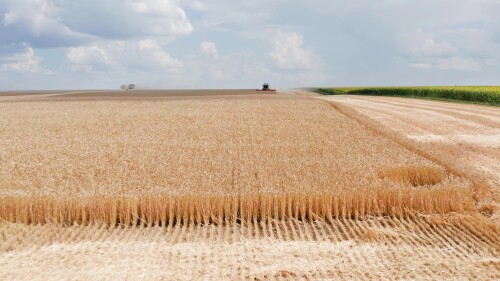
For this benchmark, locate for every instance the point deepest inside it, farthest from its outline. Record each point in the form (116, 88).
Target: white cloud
(54, 23)
(162, 17)
(238, 16)
(419, 43)
(145, 55)
(197, 5)
(87, 57)
(127, 19)
(288, 52)
(363, 42)
(209, 48)
(37, 22)
(428, 53)
(150, 54)
(453, 63)
(25, 61)
(430, 47)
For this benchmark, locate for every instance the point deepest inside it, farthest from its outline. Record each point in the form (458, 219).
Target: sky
(91, 44)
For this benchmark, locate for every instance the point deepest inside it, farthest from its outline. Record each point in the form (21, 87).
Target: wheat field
(208, 161)
(243, 186)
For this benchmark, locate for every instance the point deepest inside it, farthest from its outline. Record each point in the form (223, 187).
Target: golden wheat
(207, 160)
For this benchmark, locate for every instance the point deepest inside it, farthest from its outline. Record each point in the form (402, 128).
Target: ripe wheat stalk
(211, 160)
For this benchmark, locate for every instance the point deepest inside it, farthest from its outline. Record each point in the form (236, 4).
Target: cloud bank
(227, 44)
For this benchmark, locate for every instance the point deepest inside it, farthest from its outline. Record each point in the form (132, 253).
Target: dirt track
(469, 135)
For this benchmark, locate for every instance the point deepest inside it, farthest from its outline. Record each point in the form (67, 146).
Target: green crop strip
(472, 94)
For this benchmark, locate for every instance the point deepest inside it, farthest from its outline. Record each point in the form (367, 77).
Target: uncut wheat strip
(152, 217)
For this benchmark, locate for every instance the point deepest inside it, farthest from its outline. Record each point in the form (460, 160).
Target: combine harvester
(266, 88)
(127, 87)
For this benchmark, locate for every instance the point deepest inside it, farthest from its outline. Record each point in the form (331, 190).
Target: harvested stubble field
(231, 186)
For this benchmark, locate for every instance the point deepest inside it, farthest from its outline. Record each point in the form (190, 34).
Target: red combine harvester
(266, 88)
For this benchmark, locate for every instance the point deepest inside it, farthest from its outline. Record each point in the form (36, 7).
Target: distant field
(476, 94)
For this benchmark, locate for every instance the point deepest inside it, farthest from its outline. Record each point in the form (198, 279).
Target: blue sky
(70, 44)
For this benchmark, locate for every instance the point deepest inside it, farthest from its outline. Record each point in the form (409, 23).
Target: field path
(469, 135)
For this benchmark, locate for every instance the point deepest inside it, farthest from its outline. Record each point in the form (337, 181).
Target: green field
(474, 94)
